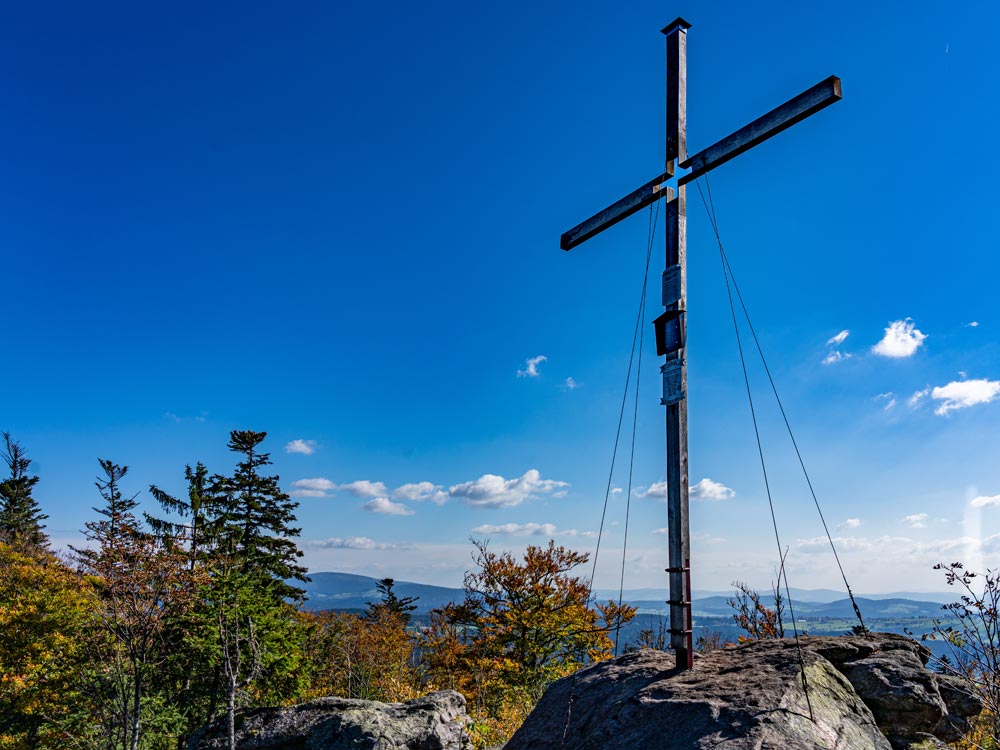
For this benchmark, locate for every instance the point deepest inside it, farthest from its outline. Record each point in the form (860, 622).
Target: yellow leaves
(358, 657)
(45, 614)
(494, 729)
(981, 735)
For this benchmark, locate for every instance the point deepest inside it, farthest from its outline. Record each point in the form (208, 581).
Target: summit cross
(670, 326)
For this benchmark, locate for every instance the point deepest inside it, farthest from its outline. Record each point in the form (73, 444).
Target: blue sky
(340, 224)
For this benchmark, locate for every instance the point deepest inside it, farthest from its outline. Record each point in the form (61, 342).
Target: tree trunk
(136, 705)
(231, 713)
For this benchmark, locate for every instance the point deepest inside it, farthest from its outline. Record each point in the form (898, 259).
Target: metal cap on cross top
(678, 24)
(670, 327)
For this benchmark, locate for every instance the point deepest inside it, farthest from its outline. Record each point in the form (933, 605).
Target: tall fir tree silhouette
(20, 517)
(255, 518)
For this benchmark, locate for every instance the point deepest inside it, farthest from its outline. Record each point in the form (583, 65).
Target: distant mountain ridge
(331, 590)
(350, 591)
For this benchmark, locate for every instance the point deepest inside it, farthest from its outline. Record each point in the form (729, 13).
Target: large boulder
(900, 692)
(751, 697)
(434, 722)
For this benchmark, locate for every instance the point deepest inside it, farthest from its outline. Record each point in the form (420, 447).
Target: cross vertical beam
(675, 367)
(671, 325)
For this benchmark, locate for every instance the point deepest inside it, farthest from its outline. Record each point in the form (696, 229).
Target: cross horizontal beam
(637, 200)
(823, 94)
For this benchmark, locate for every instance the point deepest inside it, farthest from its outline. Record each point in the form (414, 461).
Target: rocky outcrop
(871, 693)
(434, 722)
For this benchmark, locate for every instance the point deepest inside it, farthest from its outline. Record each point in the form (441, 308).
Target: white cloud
(914, 400)
(820, 544)
(983, 500)
(707, 538)
(387, 507)
(364, 488)
(421, 492)
(835, 356)
(616, 490)
(529, 529)
(517, 529)
(901, 340)
(318, 487)
(352, 542)
(661, 530)
(888, 400)
(972, 324)
(569, 384)
(305, 447)
(850, 523)
(656, 489)
(531, 367)
(493, 491)
(838, 339)
(916, 521)
(961, 394)
(176, 419)
(707, 489)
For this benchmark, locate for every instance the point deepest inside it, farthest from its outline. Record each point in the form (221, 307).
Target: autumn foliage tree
(46, 614)
(142, 584)
(367, 657)
(523, 624)
(753, 617)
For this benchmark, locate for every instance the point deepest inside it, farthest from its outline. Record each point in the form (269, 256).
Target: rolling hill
(349, 591)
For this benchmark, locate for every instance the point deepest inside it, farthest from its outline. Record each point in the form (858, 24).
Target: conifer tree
(254, 524)
(20, 517)
(192, 674)
(254, 556)
(195, 511)
(390, 604)
(110, 533)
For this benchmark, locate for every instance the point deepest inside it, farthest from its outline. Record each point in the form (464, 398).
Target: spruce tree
(253, 559)
(195, 510)
(119, 522)
(20, 517)
(390, 604)
(255, 520)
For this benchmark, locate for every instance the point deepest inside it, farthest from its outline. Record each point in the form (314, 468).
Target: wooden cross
(670, 327)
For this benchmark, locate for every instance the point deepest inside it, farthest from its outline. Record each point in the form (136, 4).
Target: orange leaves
(758, 621)
(523, 624)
